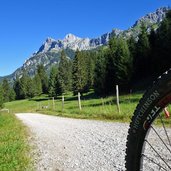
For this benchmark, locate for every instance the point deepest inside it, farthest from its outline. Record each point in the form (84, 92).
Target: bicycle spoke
(154, 162)
(158, 154)
(165, 129)
(161, 139)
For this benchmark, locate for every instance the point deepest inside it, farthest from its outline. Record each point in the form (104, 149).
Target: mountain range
(49, 52)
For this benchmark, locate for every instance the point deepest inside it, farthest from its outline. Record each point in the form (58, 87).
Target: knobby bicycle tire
(147, 112)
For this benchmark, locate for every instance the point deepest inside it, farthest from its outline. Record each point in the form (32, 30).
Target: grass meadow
(93, 107)
(14, 147)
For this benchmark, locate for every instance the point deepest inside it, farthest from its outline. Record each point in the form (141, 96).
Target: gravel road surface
(64, 144)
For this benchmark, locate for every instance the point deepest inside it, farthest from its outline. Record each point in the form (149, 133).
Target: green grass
(13, 144)
(93, 107)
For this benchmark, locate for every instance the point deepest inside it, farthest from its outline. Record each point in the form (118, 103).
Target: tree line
(124, 62)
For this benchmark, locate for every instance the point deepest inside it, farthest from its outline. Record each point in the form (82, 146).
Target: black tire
(149, 108)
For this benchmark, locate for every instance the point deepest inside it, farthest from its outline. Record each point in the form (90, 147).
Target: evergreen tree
(153, 71)
(12, 95)
(110, 77)
(131, 42)
(37, 85)
(6, 90)
(79, 74)
(1, 97)
(24, 81)
(43, 77)
(118, 65)
(64, 74)
(27, 87)
(163, 43)
(123, 65)
(90, 59)
(17, 88)
(52, 81)
(141, 62)
(100, 73)
(31, 88)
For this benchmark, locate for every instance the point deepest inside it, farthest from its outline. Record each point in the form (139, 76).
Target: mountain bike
(149, 137)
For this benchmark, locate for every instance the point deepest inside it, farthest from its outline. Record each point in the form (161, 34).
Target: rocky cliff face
(153, 18)
(48, 54)
(73, 42)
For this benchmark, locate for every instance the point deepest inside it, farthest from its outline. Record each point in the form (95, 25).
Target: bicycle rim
(156, 149)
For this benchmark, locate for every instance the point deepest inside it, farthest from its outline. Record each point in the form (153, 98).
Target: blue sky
(25, 24)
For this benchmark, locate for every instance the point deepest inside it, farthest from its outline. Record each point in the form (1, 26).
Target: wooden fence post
(79, 101)
(62, 103)
(117, 98)
(130, 95)
(102, 100)
(53, 103)
(48, 104)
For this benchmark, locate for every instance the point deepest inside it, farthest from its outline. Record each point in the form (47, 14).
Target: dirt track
(76, 145)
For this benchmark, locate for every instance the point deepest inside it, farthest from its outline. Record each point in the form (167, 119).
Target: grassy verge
(13, 144)
(92, 107)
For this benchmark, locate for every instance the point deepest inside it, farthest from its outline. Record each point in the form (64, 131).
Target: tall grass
(13, 144)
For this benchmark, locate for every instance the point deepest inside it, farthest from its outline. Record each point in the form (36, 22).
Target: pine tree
(90, 60)
(1, 98)
(6, 90)
(17, 88)
(27, 87)
(141, 62)
(37, 85)
(31, 88)
(64, 74)
(79, 74)
(118, 65)
(122, 64)
(52, 81)
(43, 77)
(131, 42)
(110, 77)
(153, 66)
(12, 95)
(100, 73)
(163, 43)
(24, 81)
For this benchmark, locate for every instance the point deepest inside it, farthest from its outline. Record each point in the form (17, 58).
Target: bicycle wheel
(149, 136)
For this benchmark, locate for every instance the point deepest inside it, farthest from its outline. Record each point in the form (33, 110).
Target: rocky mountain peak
(49, 40)
(73, 42)
(152, 18)
(71, 38)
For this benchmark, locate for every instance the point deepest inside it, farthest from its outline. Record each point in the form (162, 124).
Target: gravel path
(65, 144)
